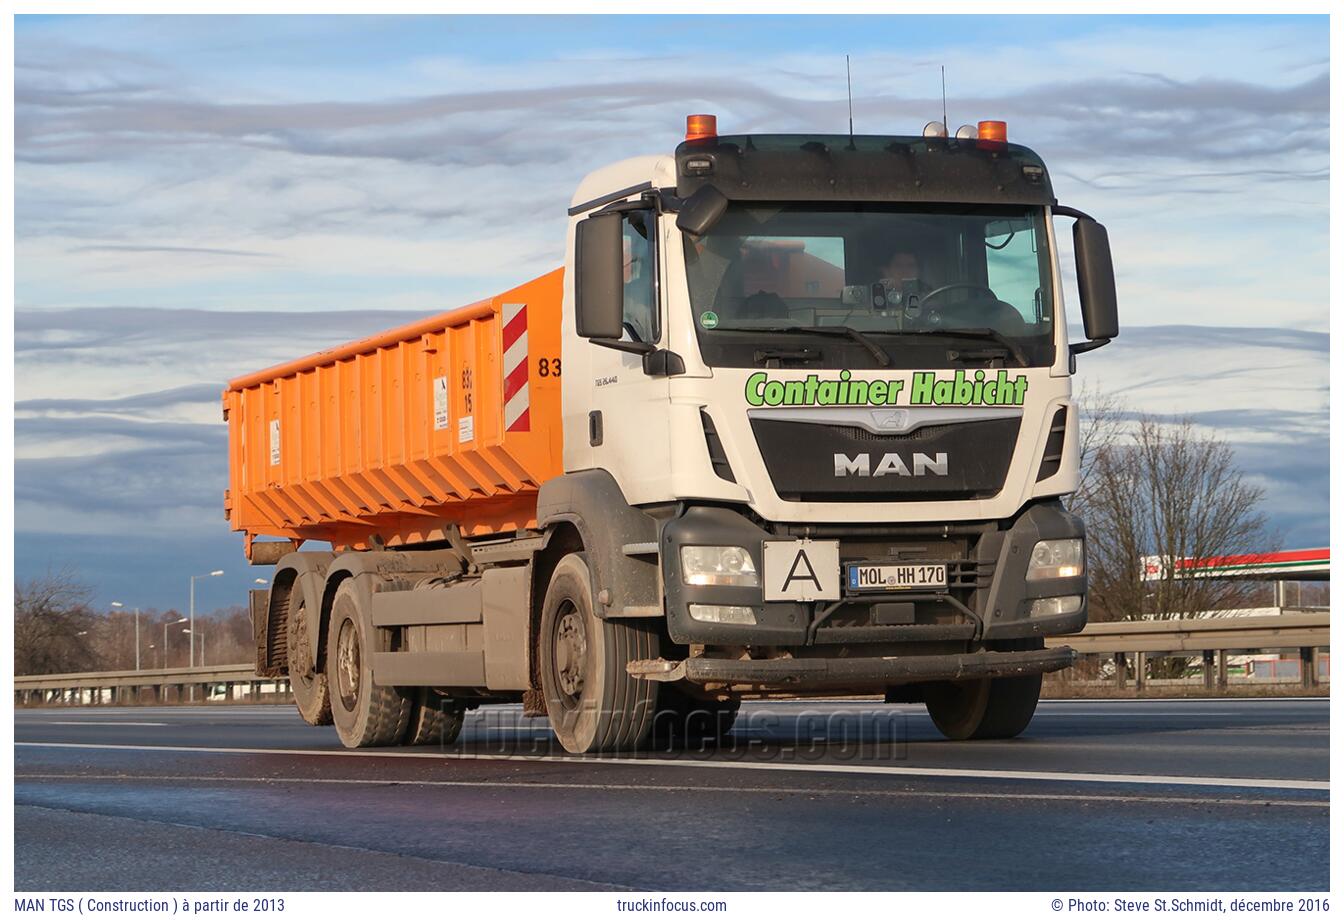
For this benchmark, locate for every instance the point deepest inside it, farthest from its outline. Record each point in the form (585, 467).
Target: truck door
(628, 429)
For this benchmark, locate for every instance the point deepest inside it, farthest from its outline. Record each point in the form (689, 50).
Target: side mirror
(599, 277)
(701, 211)
(1096, 280)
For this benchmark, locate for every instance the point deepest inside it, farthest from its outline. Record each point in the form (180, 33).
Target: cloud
(86, 461)
(242, 190)
(195, 250)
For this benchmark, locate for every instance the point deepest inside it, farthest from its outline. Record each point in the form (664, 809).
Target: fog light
(721, 613)
(1056, 606)
(1056, 559)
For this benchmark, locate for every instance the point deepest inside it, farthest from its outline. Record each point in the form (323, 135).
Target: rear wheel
(434, 719)
(365, 715)
(308, 684)
(999, 707)
(593, 704)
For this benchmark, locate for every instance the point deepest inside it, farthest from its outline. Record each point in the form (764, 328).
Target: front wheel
(998, 707)
(592, 702)
(685, 720)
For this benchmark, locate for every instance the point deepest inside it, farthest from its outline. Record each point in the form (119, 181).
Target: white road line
(97, 722)
(1234, 782)
(630, 787)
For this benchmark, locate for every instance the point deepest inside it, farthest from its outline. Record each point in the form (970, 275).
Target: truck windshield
(929, 286)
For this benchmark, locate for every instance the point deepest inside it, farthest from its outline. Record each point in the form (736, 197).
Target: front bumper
(992, 602)
(830, 673)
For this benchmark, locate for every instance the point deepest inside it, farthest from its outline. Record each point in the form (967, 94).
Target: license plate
(863, 577)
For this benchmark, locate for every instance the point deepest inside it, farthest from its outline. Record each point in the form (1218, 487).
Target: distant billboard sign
(1306, 564)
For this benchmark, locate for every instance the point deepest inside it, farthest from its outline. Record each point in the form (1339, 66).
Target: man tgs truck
(793, 420)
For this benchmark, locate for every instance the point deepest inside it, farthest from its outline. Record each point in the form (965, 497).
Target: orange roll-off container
(453, 421)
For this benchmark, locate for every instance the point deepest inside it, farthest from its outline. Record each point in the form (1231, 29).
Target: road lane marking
(1235, 782)
(100, 722)
(632, 787)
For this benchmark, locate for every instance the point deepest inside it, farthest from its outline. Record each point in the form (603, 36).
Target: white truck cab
(833, 375)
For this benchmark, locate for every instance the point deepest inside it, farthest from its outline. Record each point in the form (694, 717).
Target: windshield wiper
(980, 333)
(876, 350)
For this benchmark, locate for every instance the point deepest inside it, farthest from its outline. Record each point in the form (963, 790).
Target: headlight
(1056, 559)
(1056, 606)
(718, 565)
(720, 613)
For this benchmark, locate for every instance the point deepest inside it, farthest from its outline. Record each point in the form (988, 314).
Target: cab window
(641, 301)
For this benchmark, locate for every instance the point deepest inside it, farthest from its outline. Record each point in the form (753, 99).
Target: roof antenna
(849, 90)
(943, 71)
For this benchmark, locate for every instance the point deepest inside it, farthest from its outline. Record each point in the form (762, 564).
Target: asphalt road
(1098, 795)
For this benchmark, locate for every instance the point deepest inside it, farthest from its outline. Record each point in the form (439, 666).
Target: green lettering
(962, 389)
(754, 384)
(810, 390)
(921, 389)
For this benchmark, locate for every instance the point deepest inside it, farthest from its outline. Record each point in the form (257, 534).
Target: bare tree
(1101, 417)
(54, 629)
(1166, 490)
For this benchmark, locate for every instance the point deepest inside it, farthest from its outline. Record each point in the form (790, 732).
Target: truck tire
(365, 715)
(975, 710)
(683, 719)
(434, 719)
(311, 696)
(593, 704)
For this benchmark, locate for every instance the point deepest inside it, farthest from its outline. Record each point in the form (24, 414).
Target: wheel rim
(571, 654)
(347, 664)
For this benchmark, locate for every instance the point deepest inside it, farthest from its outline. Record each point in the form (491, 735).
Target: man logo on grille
(891, 465)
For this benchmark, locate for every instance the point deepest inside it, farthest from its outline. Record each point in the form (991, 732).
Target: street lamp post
(191, 615)
(119, 605)
(165, 639)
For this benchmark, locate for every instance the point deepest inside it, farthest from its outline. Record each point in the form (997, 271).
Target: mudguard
(621, 541)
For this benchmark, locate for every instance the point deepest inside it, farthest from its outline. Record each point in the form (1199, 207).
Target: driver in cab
(900, 284)
(904, 288)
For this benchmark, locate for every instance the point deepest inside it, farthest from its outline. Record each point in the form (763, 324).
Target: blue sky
(191, 191)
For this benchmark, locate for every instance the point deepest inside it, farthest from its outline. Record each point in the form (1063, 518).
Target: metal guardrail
(165, 685)
(1213, 637)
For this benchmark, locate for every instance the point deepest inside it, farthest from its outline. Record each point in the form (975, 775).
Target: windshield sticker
(709, 319)
(926, 389)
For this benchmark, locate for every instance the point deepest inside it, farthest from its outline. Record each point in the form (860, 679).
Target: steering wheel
(956, 286)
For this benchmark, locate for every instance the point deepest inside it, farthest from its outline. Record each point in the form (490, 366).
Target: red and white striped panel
(517, 400)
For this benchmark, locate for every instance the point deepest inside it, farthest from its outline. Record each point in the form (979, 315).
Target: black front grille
(846, 463)
(937, 614)
(925, 433)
